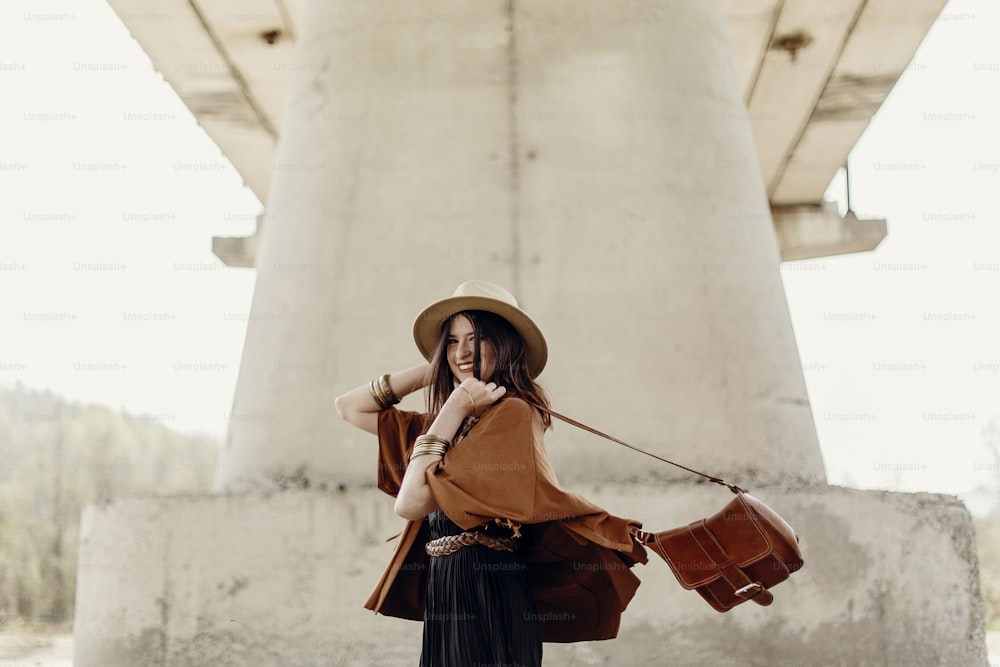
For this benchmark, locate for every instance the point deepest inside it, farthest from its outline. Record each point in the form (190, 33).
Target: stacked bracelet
(430, 444)
(382, 392)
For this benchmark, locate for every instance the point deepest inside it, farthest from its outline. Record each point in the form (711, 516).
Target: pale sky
(111, 294)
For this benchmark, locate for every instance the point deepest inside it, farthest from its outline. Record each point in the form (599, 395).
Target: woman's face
(460, 351)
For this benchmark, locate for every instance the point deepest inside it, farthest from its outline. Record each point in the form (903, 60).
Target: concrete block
(279, 580)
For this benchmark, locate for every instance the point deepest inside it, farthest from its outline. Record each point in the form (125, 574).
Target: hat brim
(427, 326)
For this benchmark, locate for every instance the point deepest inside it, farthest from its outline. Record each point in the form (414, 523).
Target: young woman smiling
(496, 557)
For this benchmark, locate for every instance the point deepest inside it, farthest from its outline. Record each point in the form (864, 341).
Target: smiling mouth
(465, 368)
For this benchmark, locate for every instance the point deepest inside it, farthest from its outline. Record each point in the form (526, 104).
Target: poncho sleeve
(397, 429)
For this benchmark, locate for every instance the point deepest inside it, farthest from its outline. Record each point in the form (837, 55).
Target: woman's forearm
(359, 408)
(414, 500)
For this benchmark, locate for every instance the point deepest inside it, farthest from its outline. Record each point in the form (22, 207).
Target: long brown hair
(511, 368)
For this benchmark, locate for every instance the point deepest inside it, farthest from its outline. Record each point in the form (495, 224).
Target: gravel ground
(57, 651)
(36, 651)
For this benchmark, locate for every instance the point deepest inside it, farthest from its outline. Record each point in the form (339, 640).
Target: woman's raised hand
(477, 395)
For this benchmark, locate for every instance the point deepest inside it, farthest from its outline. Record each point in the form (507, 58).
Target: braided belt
(449, 544)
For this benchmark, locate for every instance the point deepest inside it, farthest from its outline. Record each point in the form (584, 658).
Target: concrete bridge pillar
(596, 159)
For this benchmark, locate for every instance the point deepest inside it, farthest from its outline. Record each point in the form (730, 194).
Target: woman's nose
(464, 349)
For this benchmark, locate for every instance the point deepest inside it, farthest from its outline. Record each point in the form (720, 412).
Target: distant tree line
(988, 548)
(988, 533)
(56, 456)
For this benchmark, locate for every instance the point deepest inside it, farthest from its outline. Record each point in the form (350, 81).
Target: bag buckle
(641, 536)
(749, 591)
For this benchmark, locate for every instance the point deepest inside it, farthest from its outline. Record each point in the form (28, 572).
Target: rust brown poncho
(578, 556)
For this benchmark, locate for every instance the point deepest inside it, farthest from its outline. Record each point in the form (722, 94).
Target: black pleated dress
(479, 606)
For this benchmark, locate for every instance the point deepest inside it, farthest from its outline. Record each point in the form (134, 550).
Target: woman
(496, 556)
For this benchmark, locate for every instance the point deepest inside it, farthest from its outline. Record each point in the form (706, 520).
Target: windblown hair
(511, 368)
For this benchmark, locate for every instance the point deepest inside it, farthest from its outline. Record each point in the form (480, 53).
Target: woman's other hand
(473, 396)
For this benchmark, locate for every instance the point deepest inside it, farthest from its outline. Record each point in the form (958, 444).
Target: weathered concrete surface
(236, 580)
(279, 580)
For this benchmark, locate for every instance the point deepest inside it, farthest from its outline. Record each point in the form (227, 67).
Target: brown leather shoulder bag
(731, 557)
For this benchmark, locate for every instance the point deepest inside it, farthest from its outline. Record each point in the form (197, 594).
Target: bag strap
(732, 487)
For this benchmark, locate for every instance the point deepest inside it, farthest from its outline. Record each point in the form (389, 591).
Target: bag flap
(689, 562)
(781, 529)
(736, 530)
(739, 531)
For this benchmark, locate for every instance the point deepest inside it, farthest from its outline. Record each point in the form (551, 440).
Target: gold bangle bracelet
(376, 392)
(430, 443)
(421, 450)
(431, 438)
(382, 392)
(389, 394)
(429, 449)
(373, 388)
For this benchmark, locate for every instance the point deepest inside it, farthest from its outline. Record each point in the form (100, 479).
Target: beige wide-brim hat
(481, 295)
